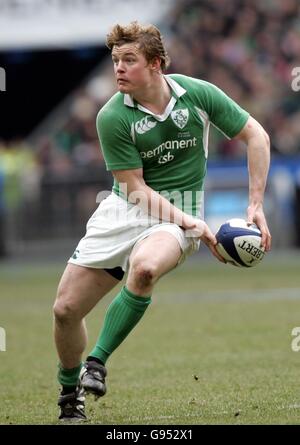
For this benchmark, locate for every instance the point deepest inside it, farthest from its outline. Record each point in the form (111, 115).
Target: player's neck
(155, 97)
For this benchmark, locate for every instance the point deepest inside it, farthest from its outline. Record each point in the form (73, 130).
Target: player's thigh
(160, 250)
(81, 288)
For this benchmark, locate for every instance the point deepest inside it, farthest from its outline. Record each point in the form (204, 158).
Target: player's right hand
(211, 241)
(199, 229)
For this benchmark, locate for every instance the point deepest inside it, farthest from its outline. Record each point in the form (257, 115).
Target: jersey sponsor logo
(165, 158)
(144, 125)
(169, 145)
(180, 117)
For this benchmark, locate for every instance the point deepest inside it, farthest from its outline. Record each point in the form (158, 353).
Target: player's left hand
(255, 214)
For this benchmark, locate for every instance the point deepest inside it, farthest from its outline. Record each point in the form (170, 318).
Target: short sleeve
(118, 149)
(223, 111)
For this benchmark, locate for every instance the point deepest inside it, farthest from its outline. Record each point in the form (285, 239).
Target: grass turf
(213, 348)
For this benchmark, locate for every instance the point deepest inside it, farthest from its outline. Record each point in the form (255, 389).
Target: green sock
(68, 377)
(122, 315)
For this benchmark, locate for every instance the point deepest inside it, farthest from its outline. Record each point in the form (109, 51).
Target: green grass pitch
(213, 348)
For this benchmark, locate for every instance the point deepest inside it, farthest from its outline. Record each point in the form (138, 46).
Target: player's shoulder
(114, 108)
(199, 91)
(190, 83)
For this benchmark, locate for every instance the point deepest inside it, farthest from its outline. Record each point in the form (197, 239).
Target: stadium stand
(247, 48)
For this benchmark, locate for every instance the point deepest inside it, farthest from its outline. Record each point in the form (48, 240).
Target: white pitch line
(290, 293)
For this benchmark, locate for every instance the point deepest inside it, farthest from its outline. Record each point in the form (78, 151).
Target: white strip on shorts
(114, 229)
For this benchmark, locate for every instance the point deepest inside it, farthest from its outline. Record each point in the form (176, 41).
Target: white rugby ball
(239, 244)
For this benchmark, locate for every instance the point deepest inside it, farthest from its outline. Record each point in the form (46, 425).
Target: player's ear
(155, 64)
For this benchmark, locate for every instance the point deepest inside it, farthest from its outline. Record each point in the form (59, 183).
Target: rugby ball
(239, 244)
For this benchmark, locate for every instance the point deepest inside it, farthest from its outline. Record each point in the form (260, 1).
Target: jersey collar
(177, 90)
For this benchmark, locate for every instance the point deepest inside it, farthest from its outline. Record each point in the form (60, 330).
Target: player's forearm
(163, 209)
(156, 205)
(258, 166)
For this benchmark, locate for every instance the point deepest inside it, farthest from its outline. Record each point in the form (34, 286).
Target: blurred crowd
(249, 49)
(246, 47)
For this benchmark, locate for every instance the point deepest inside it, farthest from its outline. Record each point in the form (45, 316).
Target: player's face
(132, 71)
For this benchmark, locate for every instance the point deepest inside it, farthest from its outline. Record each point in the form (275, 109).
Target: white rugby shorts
(115, 228)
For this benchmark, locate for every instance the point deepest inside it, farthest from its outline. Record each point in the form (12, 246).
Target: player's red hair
(148, 37)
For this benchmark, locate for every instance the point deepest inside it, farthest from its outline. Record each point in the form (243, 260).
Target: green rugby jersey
(171, 148)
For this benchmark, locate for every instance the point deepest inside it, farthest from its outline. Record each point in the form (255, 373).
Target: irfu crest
(180, 117)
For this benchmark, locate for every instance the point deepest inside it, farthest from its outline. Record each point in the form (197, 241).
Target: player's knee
(63, 310)
(144, 273)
